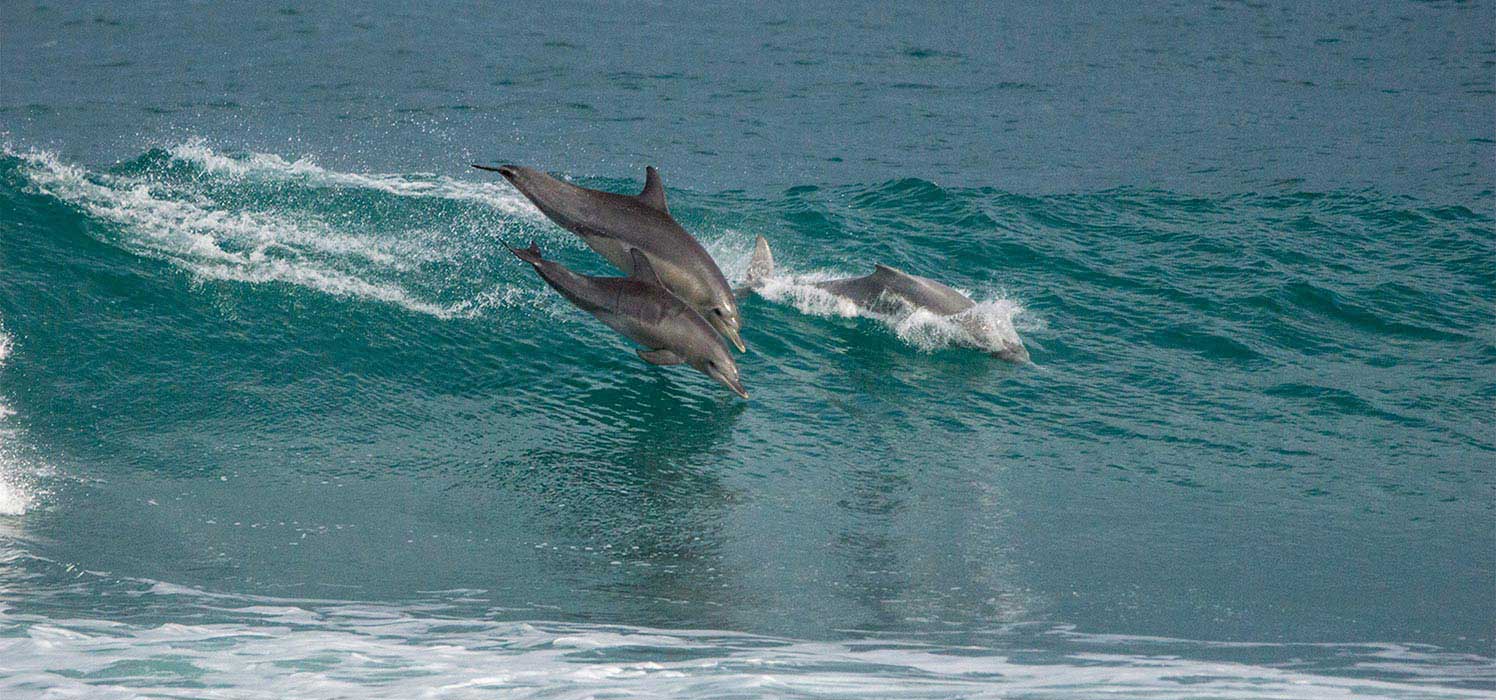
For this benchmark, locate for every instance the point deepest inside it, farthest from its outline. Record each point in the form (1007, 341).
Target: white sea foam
(18, 491)
(255, 246)
(307, 649)
(496, 194)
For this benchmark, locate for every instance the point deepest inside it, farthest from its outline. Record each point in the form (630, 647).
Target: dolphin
(645, 311)
(890, 291)
(615, 224)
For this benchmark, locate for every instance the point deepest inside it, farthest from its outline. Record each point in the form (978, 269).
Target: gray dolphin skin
(891, 291)
(615, 224)
(644, 311)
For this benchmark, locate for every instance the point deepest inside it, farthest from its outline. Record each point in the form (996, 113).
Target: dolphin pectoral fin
(660, 357)
(643, 270)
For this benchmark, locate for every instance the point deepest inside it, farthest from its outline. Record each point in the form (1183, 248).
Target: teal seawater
(279, 416)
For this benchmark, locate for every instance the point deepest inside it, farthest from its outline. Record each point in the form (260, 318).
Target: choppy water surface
(279, 415)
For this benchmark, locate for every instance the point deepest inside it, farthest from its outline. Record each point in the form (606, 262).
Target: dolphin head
(1012, 352)
(515, 174)
(998, 342)
(553, 197)
(722, 312)
(711, 357)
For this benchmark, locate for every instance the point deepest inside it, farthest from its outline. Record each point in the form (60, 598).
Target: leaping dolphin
(891, 291)
(643, 310)
(615, 224)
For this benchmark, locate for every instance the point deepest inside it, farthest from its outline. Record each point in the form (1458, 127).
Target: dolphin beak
(728, 329)
(736, 340)
(507, 171)
(730, 382)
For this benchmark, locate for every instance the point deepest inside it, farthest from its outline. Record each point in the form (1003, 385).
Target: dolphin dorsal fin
(654, 190)
(761, 267)
(884, 270)
(643, 270)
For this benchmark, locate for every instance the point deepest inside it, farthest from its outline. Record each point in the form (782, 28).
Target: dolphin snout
(727, 326)
(727, 375)
(508, 171)
(736, 339)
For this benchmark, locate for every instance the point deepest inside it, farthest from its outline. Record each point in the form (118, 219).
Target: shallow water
(278, 413)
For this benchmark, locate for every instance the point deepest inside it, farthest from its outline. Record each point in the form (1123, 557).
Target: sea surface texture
(280, 417)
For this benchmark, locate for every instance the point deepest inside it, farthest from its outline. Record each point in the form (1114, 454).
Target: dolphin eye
(717, 311)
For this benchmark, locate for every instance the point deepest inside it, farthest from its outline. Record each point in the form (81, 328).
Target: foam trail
(248, 246)
(268, 165)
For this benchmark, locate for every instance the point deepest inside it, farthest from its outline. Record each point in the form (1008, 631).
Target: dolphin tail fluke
(530, 255)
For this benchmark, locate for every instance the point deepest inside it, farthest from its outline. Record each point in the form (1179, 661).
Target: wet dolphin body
(890, 291)
(643, 310)
(614, 224)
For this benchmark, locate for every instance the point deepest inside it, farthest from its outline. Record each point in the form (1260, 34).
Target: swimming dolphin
(614, 224)
(643, 310)
(890, 291)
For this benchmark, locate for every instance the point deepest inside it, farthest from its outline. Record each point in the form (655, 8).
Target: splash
(989, 326)
(17, 487)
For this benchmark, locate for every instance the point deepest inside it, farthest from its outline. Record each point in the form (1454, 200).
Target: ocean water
(279, 417)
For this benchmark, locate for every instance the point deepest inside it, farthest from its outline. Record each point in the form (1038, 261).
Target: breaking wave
(229, 217)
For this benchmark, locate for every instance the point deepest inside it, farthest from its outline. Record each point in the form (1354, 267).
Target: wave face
(269, 425)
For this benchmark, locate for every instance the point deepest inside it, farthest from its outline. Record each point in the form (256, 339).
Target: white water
(496, 194)
(260, 246)
(18, 491)
(324, 649)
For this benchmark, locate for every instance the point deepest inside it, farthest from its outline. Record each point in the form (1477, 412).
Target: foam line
(498, 195)
(383, 651)
(246, 246)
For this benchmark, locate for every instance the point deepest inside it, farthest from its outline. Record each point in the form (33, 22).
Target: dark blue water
(278, 414)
